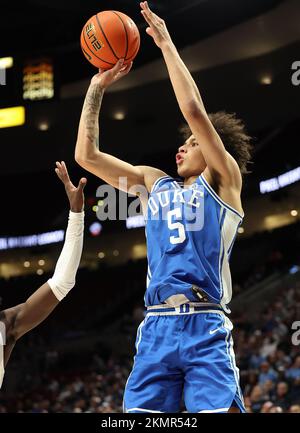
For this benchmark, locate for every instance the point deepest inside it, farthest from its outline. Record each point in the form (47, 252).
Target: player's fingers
(58, 169)
(148, 11)
(82, 184)
(147, 6)
(150, 14)
(150, 31)
(143, 6)
(58, 173)
(118, 66)
(61, 172)
(146, 17)
(65, 170)
(126, 69)
(65, 174)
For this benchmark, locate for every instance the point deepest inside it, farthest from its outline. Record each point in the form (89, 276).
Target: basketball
(109, 36)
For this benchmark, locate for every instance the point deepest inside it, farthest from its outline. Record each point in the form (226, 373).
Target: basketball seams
(134, 54)
(126, 34)
(95, 55)
(108, 43)
(134, 41)
(109, 26)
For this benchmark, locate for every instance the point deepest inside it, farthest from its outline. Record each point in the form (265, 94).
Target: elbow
(83, 158)
(193, 111)
(79, 159)
(79, 155)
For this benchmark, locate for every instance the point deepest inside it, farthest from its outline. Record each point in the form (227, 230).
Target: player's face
(189, 159)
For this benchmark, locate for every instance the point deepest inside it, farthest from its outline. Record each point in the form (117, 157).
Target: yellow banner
(13, 116)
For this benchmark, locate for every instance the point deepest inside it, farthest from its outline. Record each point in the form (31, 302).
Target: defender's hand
(106, 78)
(75, 195)
(157, 28)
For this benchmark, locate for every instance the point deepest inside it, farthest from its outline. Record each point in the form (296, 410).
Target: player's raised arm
(190, 102)
(40, 304)
(87, 153)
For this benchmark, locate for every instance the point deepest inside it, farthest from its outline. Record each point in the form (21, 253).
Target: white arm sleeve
(63, 279)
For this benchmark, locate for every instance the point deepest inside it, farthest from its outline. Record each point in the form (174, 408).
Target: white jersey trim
(140, 409)
(218, 198)
(139, 338)
(222, 409)
(228, 231)
(177, 313)
(158, 181)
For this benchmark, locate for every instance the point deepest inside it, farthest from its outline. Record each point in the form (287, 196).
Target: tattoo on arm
(91, 109)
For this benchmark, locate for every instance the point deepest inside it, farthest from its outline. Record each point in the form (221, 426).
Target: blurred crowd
(268, 355)
(99, 391)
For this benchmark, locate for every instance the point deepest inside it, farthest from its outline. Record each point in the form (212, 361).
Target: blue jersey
(190, 233)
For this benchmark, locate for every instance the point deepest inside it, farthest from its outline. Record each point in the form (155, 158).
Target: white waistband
(184, 309)
(190, 304)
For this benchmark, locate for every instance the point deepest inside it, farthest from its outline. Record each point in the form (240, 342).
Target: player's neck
(189, 180)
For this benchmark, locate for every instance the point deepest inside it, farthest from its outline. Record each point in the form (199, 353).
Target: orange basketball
(108, 37)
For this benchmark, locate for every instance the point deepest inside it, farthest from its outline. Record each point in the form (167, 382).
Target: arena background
(245, 59)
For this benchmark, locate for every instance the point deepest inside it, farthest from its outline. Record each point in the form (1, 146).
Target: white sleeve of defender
(63, 279)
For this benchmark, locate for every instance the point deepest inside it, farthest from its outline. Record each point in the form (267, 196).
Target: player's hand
(110, 76)
(157, 27)
(75, 195)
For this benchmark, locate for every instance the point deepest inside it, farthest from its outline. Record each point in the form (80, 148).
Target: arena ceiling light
(43, 126)
(6, 62)
(119, 115)
(266, 80)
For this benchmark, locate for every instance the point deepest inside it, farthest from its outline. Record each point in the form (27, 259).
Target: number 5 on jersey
(181, 237)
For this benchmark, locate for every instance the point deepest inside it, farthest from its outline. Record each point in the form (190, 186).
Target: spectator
(257, 398)
(266, 373)
(281, 397)
(276, 409)
(294, 408)
(266, 407)
(294, 372)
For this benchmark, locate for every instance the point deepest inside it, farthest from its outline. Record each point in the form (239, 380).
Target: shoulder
(229, 191)
(234, 181)
(151, 175)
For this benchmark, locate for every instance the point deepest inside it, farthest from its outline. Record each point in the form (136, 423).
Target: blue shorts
(186, 352)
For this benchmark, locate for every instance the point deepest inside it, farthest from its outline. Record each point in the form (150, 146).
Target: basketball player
(184, 345)
(18, 320)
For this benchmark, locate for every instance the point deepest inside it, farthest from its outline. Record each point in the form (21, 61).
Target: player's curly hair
(233, 134)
